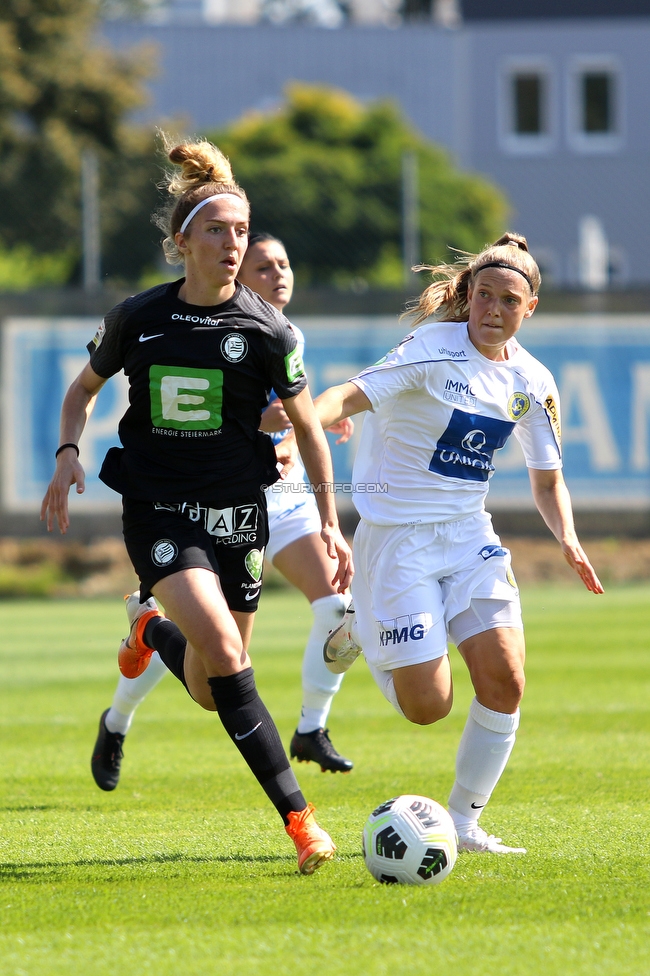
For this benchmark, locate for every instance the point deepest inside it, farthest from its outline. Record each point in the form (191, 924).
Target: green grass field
(185, 868)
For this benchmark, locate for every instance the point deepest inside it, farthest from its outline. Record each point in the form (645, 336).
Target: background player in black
(201, 355)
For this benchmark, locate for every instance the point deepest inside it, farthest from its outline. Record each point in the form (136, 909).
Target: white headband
(203, 202)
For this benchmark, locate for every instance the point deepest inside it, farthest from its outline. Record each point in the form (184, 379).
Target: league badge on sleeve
(294, 365)
(99, 335)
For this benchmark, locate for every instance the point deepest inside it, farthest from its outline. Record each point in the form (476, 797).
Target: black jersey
(199, 379)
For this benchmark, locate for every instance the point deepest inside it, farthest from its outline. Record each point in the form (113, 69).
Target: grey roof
(552, 9)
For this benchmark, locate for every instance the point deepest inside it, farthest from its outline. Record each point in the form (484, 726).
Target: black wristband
(63, 447)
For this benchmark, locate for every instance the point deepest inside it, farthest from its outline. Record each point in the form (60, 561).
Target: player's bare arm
(316, 457)
(335, 406)
(339, 402)
(77, 406)
(274, 419)
(554, 505)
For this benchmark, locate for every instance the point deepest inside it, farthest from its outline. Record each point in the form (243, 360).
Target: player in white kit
(429, 566)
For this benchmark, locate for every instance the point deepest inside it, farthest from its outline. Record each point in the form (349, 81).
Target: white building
(545, 97)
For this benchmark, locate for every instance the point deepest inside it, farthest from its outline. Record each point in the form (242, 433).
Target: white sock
(318, 684)
(130, 692)
(483, 752)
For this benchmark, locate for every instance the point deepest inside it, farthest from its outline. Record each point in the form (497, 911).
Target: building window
(595, 123)
(528, 104)
(525, 107)
(597, 102)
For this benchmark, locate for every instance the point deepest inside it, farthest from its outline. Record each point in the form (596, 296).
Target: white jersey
(440, 411)
(286, 494)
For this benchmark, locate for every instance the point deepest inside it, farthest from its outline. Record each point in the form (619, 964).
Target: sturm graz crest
(164, 552)
(234, 347)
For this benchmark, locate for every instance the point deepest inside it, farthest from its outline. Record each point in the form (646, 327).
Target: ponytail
(447, 296)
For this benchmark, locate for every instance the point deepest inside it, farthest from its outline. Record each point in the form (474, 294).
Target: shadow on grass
(30, 807)
(24, 870)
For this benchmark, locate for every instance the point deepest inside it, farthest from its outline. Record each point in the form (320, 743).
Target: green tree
(323, 172)
(59, 94)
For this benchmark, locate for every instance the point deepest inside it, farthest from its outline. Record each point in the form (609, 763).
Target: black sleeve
(285, 363)
(106, 347)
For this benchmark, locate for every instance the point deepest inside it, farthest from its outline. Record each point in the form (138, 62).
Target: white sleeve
(538, 431)
(403, 368)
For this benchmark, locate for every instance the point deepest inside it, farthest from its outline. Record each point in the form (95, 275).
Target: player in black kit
(201, 355)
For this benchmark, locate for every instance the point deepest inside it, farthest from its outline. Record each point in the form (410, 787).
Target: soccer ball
(410, 840)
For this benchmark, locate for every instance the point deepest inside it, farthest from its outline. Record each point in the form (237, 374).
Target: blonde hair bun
(199, 162)
(202, 171)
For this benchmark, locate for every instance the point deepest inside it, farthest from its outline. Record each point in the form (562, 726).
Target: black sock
(248, 723)
(165, 637)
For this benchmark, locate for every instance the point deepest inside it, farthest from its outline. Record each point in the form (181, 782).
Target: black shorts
(163, 538)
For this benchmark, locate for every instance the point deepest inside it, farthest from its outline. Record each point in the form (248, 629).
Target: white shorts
(292, 515)
(417, 585)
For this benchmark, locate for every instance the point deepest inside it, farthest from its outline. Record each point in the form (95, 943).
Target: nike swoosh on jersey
(144, 338)
(246, 734)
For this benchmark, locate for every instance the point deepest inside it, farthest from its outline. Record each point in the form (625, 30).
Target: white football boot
(341, 649)
(474, 838)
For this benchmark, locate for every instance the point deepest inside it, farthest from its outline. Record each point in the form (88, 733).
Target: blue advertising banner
(40, 358)
(601, 364)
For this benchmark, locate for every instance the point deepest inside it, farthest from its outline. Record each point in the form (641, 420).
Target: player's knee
(426, 712)
(507, 693)
(516, 686)
(208, 706)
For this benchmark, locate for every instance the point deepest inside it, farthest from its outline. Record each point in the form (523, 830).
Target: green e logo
(186, 397)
